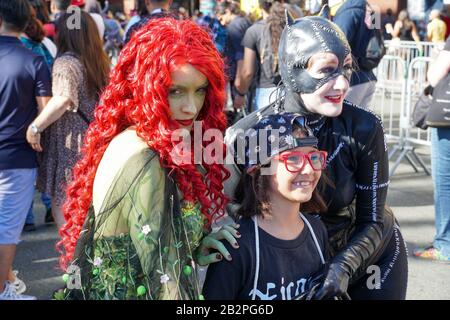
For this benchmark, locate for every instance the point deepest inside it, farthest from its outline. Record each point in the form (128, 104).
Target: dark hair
(265, 4)
(141, 8)
(86, 44)
(276, 21)
(252, 196)
(34, 29)
(41, 10)
(62, 5)
(403, 16)
(15, 14)
(233, 6)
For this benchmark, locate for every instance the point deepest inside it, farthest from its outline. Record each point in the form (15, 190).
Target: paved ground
(410, 195)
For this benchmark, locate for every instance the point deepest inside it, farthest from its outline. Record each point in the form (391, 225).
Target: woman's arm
(439, 68)
(245, 76)
(372, 179)
(54, 109)
(248, 71)
(397, 27)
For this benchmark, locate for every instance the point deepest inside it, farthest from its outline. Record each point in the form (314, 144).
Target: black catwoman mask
(300, 40)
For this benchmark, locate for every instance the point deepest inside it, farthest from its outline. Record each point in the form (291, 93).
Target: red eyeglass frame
(284, 157)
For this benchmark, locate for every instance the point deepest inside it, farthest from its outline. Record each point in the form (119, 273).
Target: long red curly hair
(137, 95)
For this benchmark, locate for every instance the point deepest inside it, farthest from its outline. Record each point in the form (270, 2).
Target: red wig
(137, 95)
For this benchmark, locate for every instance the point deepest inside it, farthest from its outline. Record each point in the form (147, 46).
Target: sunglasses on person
(295, 161)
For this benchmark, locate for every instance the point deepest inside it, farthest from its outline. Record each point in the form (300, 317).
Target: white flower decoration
(281, 120)
(146, 229)
(98, 261)
(282, 129)
(164, 278)
(289, 139)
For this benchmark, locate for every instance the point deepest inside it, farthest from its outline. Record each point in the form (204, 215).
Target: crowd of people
(290, 168)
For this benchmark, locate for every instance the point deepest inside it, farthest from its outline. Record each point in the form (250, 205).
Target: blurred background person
(354, 19)
(24, 91)
(388, 24)
(77, 82)
(404, 28)
(140, 12)
(236, 23)
(436, 28)
(94, 9)
(440, 165)
(33, 38)
(113, 37)
(260, 62)
(154, 9)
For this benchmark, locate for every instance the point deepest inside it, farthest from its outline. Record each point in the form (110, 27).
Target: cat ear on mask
(289, 19)
(325, 12)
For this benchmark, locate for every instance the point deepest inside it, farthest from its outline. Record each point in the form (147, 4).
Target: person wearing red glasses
(369, 258)
(282, 245)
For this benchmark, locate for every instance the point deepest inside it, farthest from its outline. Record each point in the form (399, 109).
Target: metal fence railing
(401, 80)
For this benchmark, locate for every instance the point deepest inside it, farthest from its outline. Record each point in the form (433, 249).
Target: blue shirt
(39, 49)
(24, 76)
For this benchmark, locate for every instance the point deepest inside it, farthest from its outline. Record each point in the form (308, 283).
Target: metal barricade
(409, 50)
(409, 136)
(389, 94)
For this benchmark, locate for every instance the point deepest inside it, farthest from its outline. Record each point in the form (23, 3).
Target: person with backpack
(113, 37)
(261, 54)
(354, 17)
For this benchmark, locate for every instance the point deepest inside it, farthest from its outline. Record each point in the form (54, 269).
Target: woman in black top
(368, 249)
(281, 247)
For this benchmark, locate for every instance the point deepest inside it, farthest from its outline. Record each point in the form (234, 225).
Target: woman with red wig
(135, 215)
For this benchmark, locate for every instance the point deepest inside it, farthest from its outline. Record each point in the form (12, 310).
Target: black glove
(334, 285)
(358, 250)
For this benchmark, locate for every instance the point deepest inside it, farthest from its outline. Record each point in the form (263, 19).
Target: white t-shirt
(99, 22)
(51, 47)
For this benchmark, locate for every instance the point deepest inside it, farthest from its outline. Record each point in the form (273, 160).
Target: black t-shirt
(252, 40)
(285, 265)
(24, 76)
(235, 51)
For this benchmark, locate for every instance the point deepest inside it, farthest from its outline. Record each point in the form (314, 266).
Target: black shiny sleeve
(372, 180)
